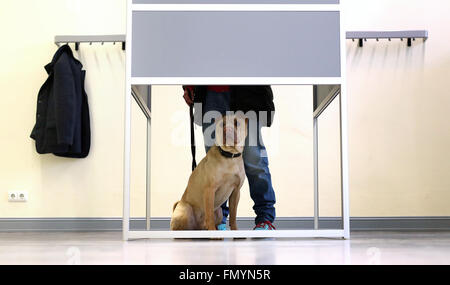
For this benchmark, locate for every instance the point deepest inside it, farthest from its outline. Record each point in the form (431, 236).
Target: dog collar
(228, 154)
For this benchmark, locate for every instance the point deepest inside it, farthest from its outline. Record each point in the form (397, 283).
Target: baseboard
(115, 224)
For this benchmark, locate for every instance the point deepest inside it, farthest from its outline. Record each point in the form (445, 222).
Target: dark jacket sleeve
(258, 98)
(65, 101)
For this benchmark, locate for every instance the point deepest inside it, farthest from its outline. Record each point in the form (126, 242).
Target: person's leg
(216, 103)
(257, 170)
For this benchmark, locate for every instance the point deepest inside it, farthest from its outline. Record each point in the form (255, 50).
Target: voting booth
(268, 42)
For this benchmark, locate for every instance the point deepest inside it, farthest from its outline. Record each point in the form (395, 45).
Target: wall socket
(17, 196)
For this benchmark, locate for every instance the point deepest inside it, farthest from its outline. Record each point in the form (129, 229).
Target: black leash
(191, 113)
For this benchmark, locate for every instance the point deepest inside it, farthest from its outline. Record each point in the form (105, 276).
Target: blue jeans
(256, 163)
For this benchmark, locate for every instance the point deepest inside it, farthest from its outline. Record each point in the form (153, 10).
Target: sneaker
(264, 226)
(222, 227)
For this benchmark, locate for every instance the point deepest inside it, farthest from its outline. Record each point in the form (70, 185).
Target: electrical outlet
(12, 196)
(17, 196)
(22, 196)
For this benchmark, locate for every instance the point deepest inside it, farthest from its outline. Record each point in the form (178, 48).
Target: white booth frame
(344, 232)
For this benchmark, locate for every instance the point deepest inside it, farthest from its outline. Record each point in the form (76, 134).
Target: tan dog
(218, 178)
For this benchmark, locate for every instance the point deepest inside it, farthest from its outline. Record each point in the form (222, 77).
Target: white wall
(288, 142)
(61, 187)
(398, 112)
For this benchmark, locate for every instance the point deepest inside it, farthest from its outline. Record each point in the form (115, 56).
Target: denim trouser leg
(259, 179)
(255, 159)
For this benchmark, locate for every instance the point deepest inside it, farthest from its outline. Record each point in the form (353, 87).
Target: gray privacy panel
(235, 1)
(235, 44)
(321, 92)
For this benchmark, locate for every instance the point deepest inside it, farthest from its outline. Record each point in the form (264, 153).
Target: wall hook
(89, 39)
(410, 36)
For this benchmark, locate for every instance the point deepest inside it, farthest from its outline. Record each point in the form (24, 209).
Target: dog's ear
(175, 205)
(218, 131)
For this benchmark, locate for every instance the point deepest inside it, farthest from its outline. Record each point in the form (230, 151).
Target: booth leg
(316, 173)
(148, 175)
(127, 134)
(126, 167)
(344, 163)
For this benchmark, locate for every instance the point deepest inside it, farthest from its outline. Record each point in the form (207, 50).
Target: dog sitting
(217, 178)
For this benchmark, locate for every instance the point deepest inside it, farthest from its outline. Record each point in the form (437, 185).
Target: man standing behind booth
(252, 100)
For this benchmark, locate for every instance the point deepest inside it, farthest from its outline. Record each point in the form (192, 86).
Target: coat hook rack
(360, 36)
(410, 36)
(78, 39)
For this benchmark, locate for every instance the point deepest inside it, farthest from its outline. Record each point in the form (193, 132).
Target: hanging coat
(62, 118)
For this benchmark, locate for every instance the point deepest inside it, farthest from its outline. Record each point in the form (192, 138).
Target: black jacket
(62, 118)
(246, 98)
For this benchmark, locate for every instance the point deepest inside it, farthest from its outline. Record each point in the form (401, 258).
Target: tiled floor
(108, 248)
